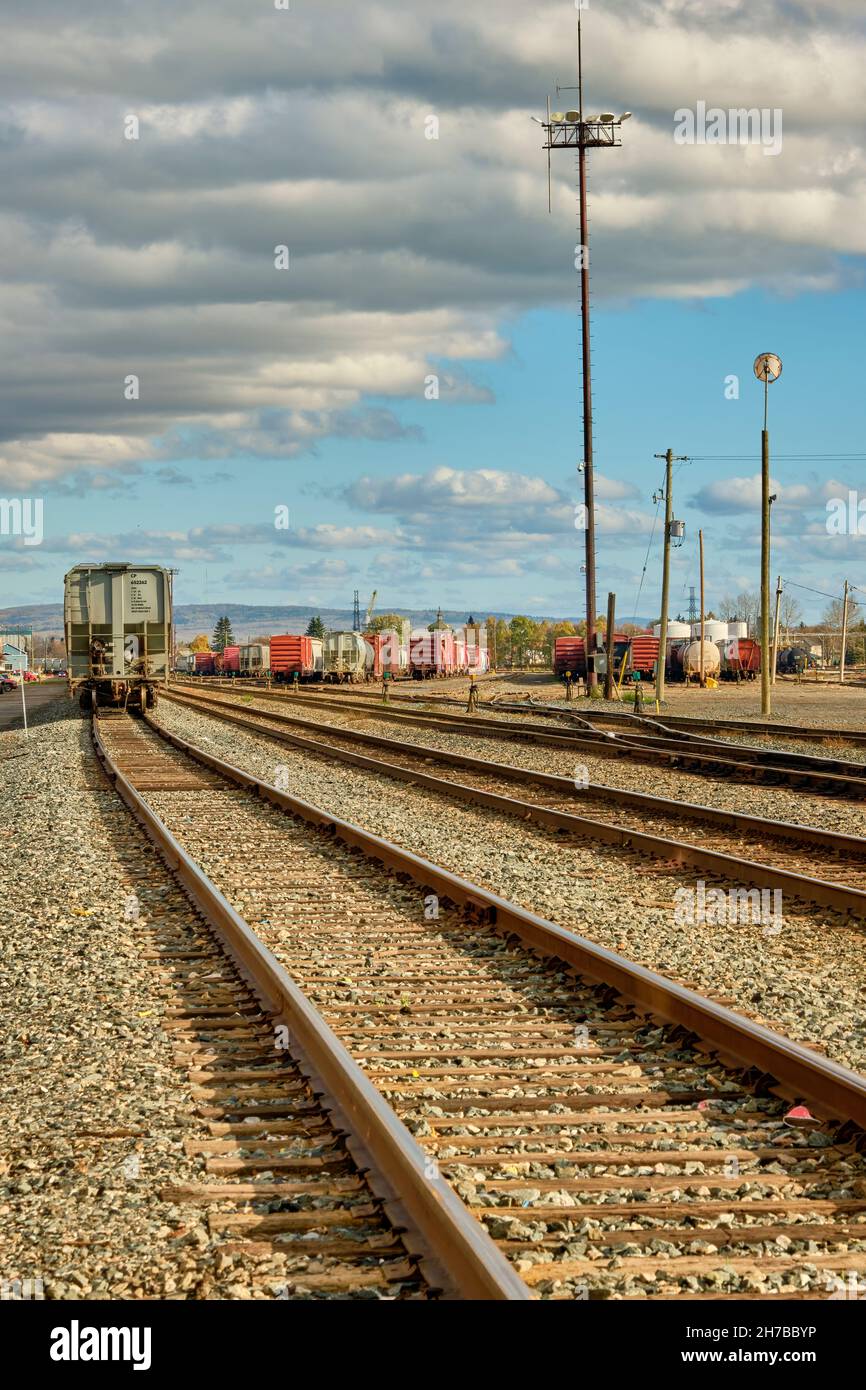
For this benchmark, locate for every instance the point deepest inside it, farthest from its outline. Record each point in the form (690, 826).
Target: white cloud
(744, 495)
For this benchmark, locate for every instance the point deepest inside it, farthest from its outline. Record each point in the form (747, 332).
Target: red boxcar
(569, 654)
(290, 655)
(643, 653)
(740, 656)
(431, 653)
(231, 663)
(205, 663)
(393, 655)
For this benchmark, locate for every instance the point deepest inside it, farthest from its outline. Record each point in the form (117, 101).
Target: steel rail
(686, 723)
(463, 1254)
(814, 774)
(833, 1091)
(822, 892)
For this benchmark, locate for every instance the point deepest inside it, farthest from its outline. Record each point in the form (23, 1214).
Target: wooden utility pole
(701, 546)
(702, 677)
(608, 642)
(776, 631)
(844, 632)
(669, 458)
(666, 573)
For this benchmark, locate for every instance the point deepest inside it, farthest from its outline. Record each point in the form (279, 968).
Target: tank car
(117, 623)
(690, 656)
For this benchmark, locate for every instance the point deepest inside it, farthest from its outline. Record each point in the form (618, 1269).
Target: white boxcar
(347, 657)
(255, 659)
(117, 621)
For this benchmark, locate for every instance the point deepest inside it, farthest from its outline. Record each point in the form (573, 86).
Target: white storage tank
(714, 631)
(676, 631)
(692, 659)
(738, 629)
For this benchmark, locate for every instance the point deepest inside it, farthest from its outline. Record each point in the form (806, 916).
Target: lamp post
(767, 367)
(572, 130)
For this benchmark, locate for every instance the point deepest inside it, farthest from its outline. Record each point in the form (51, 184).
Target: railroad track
(289, 1115)
(724, 761)
(617, 1134)
(749, 849)
(690, 724)
(807, 733)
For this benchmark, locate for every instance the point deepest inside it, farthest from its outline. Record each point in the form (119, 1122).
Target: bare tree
(728, 609)
(832, 619)
(790, 613)
(831, 623)
(746, 608)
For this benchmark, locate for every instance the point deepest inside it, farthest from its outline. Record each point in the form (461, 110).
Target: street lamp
(767, 368)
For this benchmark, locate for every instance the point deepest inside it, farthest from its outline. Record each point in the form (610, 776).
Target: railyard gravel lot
(808, 982)
(94, 1109)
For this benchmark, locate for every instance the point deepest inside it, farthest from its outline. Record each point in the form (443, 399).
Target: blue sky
(409, 256)
(661, 373)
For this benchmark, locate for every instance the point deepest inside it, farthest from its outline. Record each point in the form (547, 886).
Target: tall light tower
(572, 130)
(767, 367)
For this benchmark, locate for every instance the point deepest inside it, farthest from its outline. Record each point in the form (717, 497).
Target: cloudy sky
(263, 385)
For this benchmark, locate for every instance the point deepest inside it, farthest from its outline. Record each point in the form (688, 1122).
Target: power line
(646, 560)
(806, 588)
(744, 458)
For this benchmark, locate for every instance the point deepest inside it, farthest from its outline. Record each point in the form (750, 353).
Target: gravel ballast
(95, 1107)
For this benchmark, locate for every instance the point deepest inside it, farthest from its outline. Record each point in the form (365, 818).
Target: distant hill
(248, 619)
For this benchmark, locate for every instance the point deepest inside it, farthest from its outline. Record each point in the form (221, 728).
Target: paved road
(35, 695)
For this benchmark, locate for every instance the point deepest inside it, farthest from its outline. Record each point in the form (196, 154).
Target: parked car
(7, 684)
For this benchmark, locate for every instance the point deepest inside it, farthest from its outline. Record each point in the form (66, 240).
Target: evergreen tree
(315, 627)
(222, 635)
